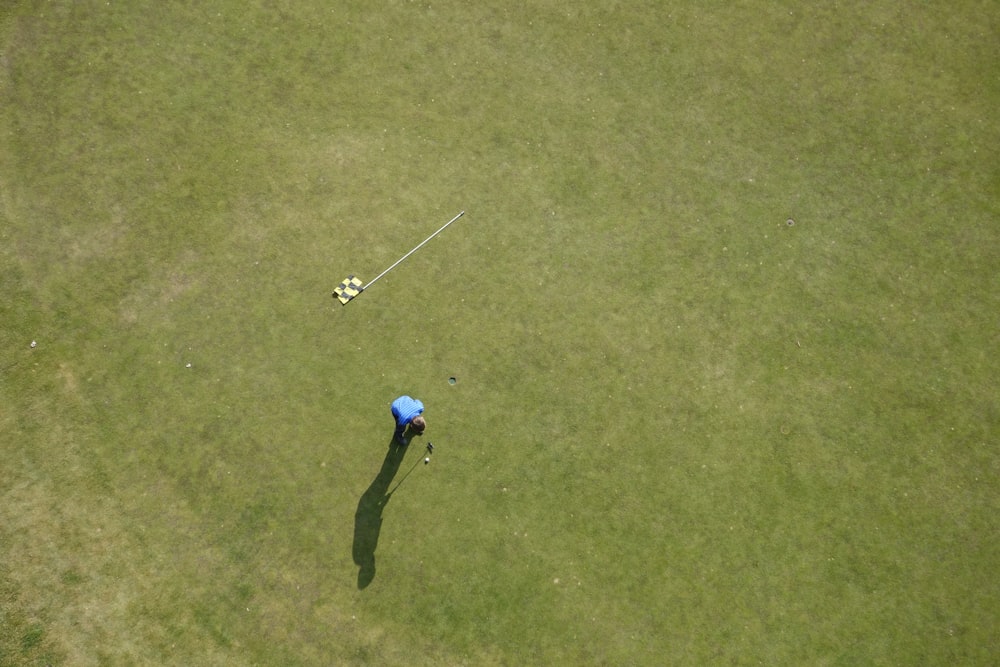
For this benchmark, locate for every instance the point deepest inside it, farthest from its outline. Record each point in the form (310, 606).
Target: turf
(722, 316)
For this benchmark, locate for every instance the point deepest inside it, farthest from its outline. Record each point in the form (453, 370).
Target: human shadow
(368, 517)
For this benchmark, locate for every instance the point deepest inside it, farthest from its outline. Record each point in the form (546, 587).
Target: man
(408, 412)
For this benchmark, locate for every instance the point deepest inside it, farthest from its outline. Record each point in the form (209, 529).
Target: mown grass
(684, 431)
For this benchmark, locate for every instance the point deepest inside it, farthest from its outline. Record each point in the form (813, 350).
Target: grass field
(723, 315)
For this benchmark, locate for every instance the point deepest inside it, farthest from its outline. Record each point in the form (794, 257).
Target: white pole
(412, 251)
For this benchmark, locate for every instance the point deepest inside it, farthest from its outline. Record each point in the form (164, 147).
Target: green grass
(683, 431)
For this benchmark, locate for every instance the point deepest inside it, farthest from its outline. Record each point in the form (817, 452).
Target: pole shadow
(368, 517)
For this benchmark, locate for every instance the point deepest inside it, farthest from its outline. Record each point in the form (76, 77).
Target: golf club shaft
(403, 478)
(430, 450)
(421, 244)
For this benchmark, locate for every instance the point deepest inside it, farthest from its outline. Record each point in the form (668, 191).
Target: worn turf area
(722, 316)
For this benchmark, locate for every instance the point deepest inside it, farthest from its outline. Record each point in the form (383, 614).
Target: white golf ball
(427, 459)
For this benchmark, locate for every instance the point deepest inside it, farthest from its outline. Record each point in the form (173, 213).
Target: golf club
(430, 450)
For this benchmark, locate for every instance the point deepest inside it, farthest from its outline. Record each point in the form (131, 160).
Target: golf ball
(427, 460)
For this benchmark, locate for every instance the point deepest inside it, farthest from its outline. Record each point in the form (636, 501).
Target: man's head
(418, 424)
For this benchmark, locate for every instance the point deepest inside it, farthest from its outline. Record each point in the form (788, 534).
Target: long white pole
(412, 251)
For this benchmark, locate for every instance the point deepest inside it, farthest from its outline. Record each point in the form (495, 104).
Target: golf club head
(430, 448)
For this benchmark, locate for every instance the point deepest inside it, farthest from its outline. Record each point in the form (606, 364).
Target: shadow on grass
(368, 517)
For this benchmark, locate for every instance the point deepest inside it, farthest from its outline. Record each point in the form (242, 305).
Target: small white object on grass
(427, 459)
(187, 366)
(34, 344)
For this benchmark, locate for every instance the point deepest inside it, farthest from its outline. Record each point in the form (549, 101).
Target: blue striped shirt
(404, 409)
